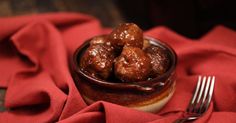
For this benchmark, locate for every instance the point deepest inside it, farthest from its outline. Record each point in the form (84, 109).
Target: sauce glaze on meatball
(128, 34)
(159, 60)
(98, 59)
(132, 65)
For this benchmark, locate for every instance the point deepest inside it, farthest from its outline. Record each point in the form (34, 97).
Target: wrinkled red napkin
(34, 67)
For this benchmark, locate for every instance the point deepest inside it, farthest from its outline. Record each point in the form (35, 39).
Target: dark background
(191, 18)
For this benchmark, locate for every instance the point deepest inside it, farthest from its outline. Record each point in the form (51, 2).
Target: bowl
(150, 95)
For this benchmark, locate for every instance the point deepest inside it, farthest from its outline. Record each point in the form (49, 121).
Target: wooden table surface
(105, 10)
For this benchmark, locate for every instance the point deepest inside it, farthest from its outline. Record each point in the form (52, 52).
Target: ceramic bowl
(150, 95)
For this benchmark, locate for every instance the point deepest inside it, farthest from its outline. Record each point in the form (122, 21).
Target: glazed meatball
(159, 60)
(97, 40)
(132, 65)
(126, 34)
(98, 60)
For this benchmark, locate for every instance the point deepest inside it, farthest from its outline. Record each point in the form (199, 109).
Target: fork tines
(202, 95)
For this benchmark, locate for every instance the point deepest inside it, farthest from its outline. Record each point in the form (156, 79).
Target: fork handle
(182, 120)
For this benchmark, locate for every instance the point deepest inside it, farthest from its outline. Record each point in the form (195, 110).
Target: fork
(200, 100)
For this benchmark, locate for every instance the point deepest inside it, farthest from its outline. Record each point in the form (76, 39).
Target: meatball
(126, 34)
(132, 65)
(98, 60)
(99, 40)
(159, 60)
(102, 40)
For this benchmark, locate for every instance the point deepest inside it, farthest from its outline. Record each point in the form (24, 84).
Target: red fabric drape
(34, 68)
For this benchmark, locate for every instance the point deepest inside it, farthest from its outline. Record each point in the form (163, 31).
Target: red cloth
(34, 53)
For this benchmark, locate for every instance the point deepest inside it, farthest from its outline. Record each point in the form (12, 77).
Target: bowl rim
(147, 85)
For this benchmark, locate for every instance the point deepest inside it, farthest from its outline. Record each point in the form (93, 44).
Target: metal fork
(200, 100)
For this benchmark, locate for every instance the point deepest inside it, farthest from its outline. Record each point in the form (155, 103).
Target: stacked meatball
(125, 54)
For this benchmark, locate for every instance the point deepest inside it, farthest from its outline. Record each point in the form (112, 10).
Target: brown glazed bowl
(150, 95)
